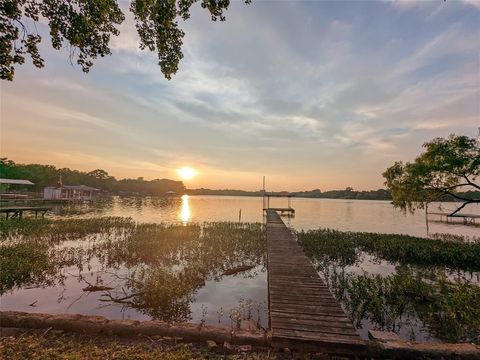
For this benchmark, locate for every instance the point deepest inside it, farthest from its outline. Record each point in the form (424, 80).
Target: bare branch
(471, 183)
(462, 206)
(446, 192)
(122, 299)
(24, 29)
(452, 187)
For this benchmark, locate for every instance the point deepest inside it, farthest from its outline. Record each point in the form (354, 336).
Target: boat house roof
(74, 187)
(79, 187)
(16, 182)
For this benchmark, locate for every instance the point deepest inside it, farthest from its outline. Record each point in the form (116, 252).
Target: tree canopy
(86, 26)
(49, 175)
(446, 166)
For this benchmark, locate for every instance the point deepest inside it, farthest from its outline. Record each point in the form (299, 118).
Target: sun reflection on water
(185, 213)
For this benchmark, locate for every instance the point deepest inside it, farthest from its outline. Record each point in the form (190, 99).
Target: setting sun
(186, 173)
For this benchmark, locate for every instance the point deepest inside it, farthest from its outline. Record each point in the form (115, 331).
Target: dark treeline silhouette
(348, 193)
(49, 175)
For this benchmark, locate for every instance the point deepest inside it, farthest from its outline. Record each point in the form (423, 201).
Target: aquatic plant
(429, 288)
(49, 230)
(344, 247)
(25, 264)
(220, 314)
(153, 268)
(455, 312)
(449, 310)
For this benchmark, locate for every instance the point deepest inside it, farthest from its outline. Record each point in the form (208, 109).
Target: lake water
(353, 215)
(174, 273)
(215, 296)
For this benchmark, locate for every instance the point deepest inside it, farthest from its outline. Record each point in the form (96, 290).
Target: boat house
(12, 188)
(69, 192)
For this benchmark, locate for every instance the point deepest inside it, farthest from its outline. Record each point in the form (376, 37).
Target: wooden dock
(284, 211)
(303, 313)
(289, 211)
(17, 212)
(467, 219)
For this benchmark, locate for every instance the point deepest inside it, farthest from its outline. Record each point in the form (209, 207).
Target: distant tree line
(348, 193)
(225, 192)
(48, 175)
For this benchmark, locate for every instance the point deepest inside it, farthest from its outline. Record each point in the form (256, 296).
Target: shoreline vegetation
(152, 269)
(417, 287)
(347, 194)
(429, 286)
(48, 175)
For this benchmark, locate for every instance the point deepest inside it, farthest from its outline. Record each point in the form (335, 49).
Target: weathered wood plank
(301, 296)
(303, 313)
(315, 326)
(314, 335)
(312, 310)
(307, 318)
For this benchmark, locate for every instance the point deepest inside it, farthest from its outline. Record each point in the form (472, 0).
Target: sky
(310, 94)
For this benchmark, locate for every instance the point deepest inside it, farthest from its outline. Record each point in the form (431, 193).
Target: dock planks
(303, 313)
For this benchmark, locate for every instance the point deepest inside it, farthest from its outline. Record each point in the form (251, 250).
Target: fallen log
(238, 269)
(94, 325)
(93, 288)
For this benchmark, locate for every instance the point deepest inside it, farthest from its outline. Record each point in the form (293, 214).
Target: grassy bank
(73, 347)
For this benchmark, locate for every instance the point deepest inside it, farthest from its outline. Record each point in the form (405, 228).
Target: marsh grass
(157, 269)
(153, 268)
(48, 230)
(25, 264)
(405, 249)
(420, 290)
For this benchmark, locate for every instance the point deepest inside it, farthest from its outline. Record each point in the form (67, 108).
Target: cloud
(307, 88)
(453, 41)
(474, 3)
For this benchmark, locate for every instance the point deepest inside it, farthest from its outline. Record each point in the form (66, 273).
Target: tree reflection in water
(153, 268)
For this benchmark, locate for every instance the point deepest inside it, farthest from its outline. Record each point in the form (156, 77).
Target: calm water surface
(172, 273)
(354, 215)
(213, 300)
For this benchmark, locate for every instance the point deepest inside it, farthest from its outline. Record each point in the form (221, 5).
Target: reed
(433, 288)
(345, 247)
(153, 268)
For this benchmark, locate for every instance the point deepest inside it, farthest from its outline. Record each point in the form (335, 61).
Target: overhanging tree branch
(438, 171)
(463, 205)
(87, 27)
(471, 183)
(446, 192)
